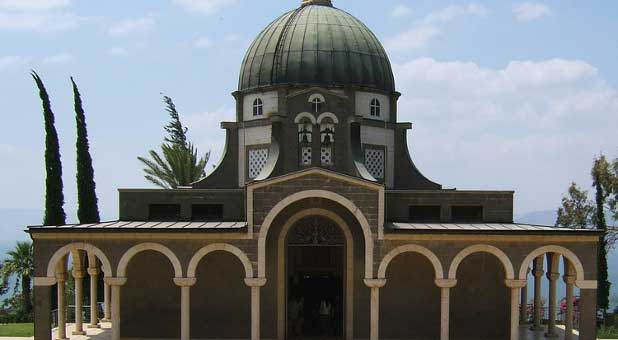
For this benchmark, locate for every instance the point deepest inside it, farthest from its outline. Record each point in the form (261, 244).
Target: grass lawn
(17, 330)
(608, 333)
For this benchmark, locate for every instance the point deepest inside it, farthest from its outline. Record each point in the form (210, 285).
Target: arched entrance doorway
(316, 276)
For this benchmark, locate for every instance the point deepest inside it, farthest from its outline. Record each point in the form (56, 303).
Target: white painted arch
(200, 254)
(330, 115)
(129, 254)
(568, 254)
(482, 248)
(411, 248)
(328, 195)
(317, 95)
(307, 115)
(89, 248)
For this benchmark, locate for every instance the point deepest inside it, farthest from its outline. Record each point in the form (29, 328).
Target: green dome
(317, 45)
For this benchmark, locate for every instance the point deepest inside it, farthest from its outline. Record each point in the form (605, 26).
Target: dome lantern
(317, 2)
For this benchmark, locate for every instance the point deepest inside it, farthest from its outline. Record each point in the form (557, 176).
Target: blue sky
(502, 95)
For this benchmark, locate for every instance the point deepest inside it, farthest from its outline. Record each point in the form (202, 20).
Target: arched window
(375, 108)
(327, 139)
(258, 107)
(305, 130)
(316, 105)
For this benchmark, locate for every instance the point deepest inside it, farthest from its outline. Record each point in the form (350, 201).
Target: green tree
(87, 207)
(20, 264)
(54, 197)
(576, 211)
(180, 163)
(602, 180)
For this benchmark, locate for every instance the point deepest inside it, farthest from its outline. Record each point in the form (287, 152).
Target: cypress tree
(600, 179)
(54, 198)
(87, 207)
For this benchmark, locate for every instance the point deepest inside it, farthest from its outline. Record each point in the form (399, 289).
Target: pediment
(319, 173)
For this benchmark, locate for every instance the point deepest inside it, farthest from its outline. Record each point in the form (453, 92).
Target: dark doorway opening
(316, 303)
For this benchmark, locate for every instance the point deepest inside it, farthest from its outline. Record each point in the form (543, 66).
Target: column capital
(116, 281)
(538, 272)
(569, 279)
(375, 283)
(61, 277)
(255, 282)
(78, 274)
(446, 283)
(515, 283)
(93, 271)
(552, 276)
(44, 281)
(586, 284)
(185, 281)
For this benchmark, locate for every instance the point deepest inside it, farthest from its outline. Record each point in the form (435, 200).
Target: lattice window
(305, 156)
(258, 107)
(327, 155)
(257, 161)
(375, 108)
(375, 161)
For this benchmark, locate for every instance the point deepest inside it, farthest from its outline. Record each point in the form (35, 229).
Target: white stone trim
(328, 195)
(44, 281)
(577, 264)
(244, 259)
(330, 115)
(129, 254)
(317, 95)
(586, 284)
(307, 115)
(506, 262)
(411, 248)
(60, 253)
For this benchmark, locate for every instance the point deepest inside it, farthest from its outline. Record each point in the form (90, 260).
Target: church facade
(315, 223)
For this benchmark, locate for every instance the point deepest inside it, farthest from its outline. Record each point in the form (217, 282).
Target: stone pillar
(42, 307)
(523, 312)
(375, 285)
(538, 272)
(62, 309)
(515, 286)
(185, 285)
(94, 311)
(107, 315)
(78, 276)
(255, 284)
(552, 275)
(115, 284)
(587, 310)
(445, 286)
(568, 318)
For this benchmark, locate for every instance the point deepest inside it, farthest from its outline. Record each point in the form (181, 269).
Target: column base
(106, 320)
(94, 326)
(78, 333)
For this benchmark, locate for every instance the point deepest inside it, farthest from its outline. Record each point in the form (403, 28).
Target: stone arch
(200, 254)
(411, 248)
(328, 195)
(349, 284)
(129, 254)
(330, 115)
(568, 254)
(53, 261)
(317, 95)
(506, 262)
(307, 115)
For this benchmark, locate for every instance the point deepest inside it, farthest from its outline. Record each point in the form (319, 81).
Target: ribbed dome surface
(316, 45)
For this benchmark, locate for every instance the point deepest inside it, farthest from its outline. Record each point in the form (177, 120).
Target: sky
(504, 95)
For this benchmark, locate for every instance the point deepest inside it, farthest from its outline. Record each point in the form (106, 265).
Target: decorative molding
(481, 248)
(140, 236)
(515, 283)
(185, 281)
(411, 248)
(115, 281)
(200, 254)
(75, 246)
(586, 284)
(255, 282)
(44, 281)
(375, 283)
(446, 283)
(129, 254)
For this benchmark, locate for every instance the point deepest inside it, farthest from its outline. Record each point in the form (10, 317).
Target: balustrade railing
(70, 314)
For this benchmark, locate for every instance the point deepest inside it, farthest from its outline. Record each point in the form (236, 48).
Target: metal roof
(480, 227)
(146, 225)
(316, 45)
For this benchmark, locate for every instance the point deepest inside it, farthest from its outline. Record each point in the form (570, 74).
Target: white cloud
(430, 26)
(533, 126)
(133, 26)
(205, 130)
(529, 11)
(11, 62)
(401, 11)
(33, 5)
(202, 42)
(41, 22)
(118, 52)
(58, 58)
(207, 7)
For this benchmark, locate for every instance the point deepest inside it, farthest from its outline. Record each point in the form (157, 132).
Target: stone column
(523, 312)
(42, 307)
(62, 309)
(375, 285)
(185, 285)
(255, 284)
(552, 275)
(94, 311)
(568, 318)
(115, 284)
(515, 286)
(538, 272)
(78, 276)
(107, 315)
(445, 286)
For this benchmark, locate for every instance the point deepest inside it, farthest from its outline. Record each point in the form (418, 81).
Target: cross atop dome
(317, 2)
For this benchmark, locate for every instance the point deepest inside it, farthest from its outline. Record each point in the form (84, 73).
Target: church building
(316, 223)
